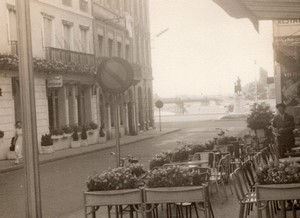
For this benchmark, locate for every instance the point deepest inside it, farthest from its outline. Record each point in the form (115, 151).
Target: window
(53, 108)
(119, 49)
(67, 31)
(100, 45)
(48, 31)
(84, 38)
(12, 24)
(67, 2)
(110, 47)
(83, 5)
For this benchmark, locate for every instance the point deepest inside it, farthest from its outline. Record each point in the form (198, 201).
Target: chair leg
(241, 213)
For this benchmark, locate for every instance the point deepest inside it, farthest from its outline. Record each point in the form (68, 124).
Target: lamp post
(30, 142)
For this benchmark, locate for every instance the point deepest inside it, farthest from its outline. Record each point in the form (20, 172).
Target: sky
(204, 50)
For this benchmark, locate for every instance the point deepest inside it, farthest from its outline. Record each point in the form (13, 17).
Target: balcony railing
(67, 56)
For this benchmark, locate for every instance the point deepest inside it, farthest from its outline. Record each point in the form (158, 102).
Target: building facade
(70, 38)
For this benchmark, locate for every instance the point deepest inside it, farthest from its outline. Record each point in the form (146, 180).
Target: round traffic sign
(115, 75)
(159, 104)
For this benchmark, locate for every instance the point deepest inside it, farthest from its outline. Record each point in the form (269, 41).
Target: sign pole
(30, 142)
(159, 120)
(117, 121)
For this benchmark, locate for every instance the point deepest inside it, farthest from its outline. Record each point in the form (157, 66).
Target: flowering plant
(279, 173)
(67, 129)
(174, 177)
(1, 134)
(181, 153)
(11, 62)
(160, 159)
(113, 179)
(137, 169)
(56, 131)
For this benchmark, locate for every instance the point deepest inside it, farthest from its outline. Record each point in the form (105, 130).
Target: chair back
(206, 155)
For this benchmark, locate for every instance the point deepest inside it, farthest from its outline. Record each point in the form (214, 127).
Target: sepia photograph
(150, 109)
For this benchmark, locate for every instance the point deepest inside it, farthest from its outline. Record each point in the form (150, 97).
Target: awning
(256, 10)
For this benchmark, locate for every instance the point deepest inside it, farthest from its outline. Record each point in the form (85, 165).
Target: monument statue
(238, 87)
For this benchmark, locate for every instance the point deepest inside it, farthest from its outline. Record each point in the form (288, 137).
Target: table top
(189, 163)
(291, 159)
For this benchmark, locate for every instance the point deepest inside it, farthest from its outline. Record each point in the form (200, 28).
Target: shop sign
(54, 82)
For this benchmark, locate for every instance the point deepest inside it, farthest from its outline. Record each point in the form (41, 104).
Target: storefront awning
(256, 10)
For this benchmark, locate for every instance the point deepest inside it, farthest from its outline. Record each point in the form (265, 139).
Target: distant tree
(249, 91)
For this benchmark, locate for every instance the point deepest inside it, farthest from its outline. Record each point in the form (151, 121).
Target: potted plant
(47, 144)
(117, 186)
(67, 131)
(75, 143)
(260, 119)
(56, 133)
(1, 134)
(93, 137)
(84, 137)
(101, 134)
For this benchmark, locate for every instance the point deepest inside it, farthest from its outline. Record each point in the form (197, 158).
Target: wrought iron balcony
(67, 56)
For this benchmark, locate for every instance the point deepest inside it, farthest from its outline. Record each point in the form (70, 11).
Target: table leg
(282, 204)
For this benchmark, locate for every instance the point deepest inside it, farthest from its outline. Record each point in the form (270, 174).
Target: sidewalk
(8, 165)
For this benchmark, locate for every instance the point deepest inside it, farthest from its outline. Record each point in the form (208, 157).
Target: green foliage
(11, 62)
(93, 125)
(46, 140)
(75, 136)
(115, 179)
(76, 127)
(279, 173)
(175, 177)
(83, 134)
(1, 134)
(56, 131)
(260, 117)
(160, 159)
(67, 129)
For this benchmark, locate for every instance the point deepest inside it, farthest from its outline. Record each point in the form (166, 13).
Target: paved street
(63, 181)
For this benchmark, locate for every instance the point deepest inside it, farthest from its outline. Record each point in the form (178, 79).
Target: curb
(17, 167)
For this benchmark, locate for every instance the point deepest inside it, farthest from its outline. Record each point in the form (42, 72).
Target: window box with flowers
(93, 137)
(177, 185)
(278, 181)
(117, 186)
(56, 134)
(46, 144)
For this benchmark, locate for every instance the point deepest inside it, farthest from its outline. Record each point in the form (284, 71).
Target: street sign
(159, 104)
(115, 75)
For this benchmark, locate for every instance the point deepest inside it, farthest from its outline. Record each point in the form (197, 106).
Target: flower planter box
(11, 155)
(84, 143)
(101, 139)
(278, 192)
(63, 143)
(175, 194)
(56, 137)
(47, 149)
(113, 197)
(75, 144)
(93, 137)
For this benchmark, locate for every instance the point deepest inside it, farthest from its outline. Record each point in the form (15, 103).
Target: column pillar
(73, 107)
(63, 108)
(88, 104)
